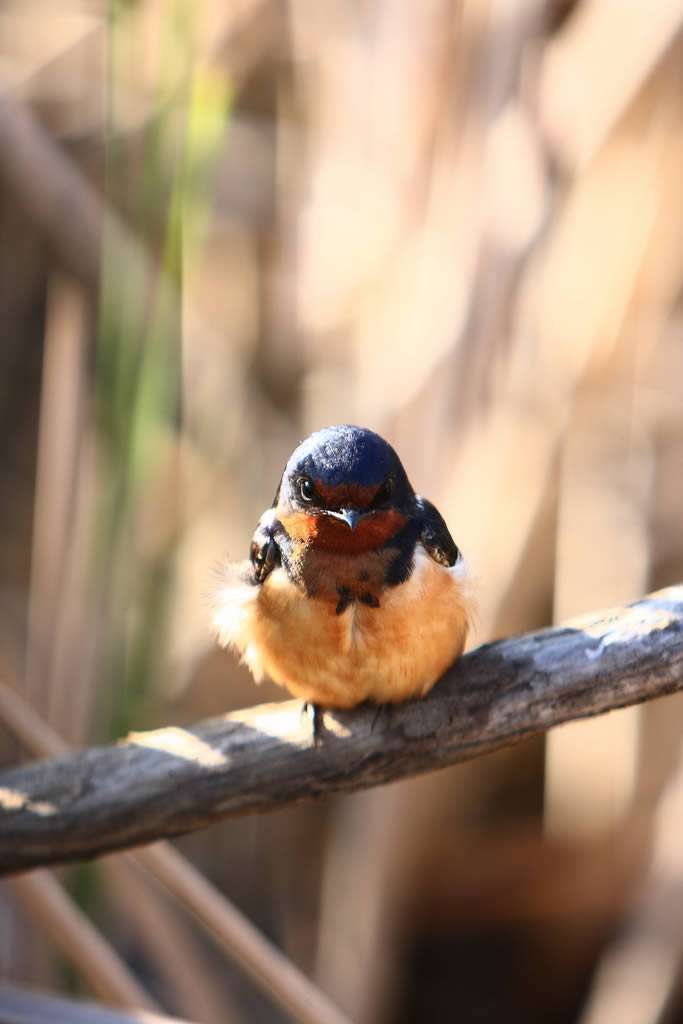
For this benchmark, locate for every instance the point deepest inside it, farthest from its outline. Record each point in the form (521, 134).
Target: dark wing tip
(435, 535)
(264, 554)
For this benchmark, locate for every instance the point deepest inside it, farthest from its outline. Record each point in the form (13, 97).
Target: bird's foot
(318, 721)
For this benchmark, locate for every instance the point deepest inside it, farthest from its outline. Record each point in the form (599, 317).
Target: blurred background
(226, 224)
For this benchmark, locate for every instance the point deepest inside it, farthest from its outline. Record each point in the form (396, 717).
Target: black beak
(350, 516)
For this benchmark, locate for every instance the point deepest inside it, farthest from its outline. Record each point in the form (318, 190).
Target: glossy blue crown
(346, 455)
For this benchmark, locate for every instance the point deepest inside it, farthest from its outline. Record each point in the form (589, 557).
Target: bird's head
(344, 489)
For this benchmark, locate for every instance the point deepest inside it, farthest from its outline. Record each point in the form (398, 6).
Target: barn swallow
(355, 590)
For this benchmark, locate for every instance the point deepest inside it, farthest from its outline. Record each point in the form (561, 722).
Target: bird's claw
(318, 721)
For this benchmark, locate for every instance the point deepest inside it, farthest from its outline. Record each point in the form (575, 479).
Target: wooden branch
(169, 781)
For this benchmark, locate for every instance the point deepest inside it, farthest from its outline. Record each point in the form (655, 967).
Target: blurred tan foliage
(225, 225)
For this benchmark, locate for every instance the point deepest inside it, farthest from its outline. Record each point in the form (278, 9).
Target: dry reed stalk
(48, 905)
(234, 933)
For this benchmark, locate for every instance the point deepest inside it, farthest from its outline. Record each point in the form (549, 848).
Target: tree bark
(168, 781)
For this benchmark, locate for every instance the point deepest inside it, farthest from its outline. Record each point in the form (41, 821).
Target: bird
(354, 589)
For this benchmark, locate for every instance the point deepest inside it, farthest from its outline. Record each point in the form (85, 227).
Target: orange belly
(384, 654)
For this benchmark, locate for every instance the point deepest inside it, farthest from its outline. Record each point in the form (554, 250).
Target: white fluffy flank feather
(234, 600)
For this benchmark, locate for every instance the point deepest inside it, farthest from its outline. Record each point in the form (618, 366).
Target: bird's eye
(306, 490)
(383, 494)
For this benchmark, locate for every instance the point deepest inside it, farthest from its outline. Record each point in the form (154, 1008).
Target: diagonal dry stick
(45, 900)
(69, 929)
(233, 932)
(169, 781)
(20, 1005)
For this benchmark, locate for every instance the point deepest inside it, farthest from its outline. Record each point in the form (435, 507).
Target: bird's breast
(384, 654)
(328, 575)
